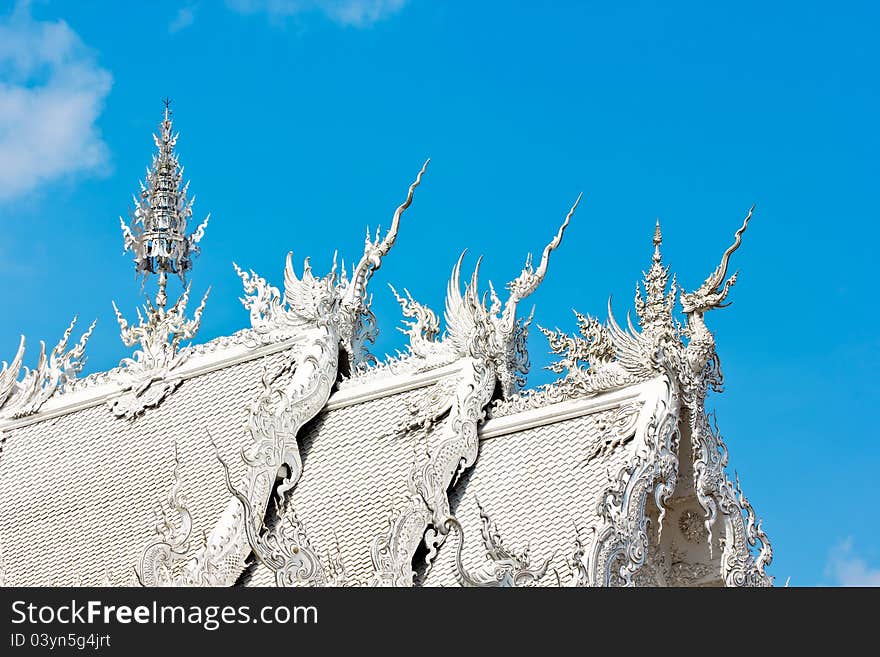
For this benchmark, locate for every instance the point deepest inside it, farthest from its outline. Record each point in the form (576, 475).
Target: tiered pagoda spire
(158, 239)
(156, 234)
(654, 309)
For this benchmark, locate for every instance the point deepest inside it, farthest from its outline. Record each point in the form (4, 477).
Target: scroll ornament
(285, 549)
(505, 568)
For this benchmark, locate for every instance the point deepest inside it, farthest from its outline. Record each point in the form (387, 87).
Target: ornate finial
(157, 236)
(658, 240)
(655, 308)
(157, 233)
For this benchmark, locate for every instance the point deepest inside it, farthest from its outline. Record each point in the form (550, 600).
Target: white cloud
(183, 19)
(846, 568)
(51, 93)
(354, 13)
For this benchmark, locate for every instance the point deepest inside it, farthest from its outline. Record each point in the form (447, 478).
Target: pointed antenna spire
(157, 233)
(658, 240)
(654, 309)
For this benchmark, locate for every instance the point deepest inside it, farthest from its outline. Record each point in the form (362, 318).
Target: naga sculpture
(684, 363)
(710, 295)
(489, 343)
(714, 490)
(328, 315)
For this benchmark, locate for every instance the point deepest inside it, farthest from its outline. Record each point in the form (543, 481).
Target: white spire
(157, 232)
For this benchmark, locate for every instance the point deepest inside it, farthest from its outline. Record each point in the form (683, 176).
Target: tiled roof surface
(78, 492)
(354, 473)
(537, 486)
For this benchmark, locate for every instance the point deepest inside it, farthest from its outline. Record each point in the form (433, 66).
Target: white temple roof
(381, 471)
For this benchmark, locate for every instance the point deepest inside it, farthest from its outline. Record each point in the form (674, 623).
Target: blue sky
(303, 121)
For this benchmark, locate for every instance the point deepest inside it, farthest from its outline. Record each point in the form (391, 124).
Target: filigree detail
(423, 330)
(606, 356)
(490, 344)
(614, 429)
(147, 378)
(292, 395)
(740, 566)
(19, 398)
(710, 295)
(655, 308)
(713, 489)
(285, 549)
(528, 400)
(656, 569)
(576, 563)
(506, 567)
(620, 546)
(157, 232)
(163, 561)
(263, 302)
(505, 335)
(686, 573)
(243, 337)
(329, 315)
(431, 476)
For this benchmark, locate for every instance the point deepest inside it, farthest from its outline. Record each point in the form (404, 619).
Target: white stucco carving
(20, 397)
(489, 341)
(330, 315)
(655, 505)
(505, 567)
(606, 357)
(150, 374)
